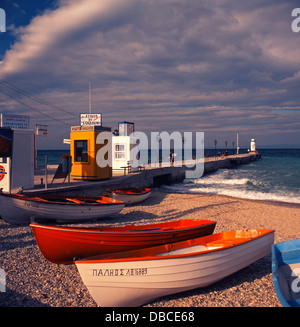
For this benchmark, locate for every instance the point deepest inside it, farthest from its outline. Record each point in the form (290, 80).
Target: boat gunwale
(122, 232)
(111, 257)
(30, 198)
(143, 192)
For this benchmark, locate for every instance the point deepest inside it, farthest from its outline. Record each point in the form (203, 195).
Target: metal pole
(90, 98)
(69, 168)
(35, 148)
(46, 173)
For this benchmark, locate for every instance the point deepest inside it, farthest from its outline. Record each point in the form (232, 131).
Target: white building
(121, 147)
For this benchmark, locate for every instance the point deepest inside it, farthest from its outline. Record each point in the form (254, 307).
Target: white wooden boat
(130, 195)
(19, 208)
(286, 272)
(133, 278)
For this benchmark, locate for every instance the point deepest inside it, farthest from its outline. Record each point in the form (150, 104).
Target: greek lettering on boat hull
(120, 272)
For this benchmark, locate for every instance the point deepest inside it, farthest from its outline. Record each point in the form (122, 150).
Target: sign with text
(41, 130)
(90, 119)
(14, 121)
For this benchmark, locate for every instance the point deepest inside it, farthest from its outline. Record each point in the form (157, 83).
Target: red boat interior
(49, 198)
(131, 190)
(208, 243)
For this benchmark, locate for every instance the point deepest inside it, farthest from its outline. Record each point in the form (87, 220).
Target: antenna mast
(90, 98)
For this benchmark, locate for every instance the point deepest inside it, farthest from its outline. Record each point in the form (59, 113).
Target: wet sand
(32, 281)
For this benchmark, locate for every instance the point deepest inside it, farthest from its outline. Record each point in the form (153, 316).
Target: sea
(274, 177)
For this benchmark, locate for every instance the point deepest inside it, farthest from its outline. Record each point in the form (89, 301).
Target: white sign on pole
(14, 121)
(41, 130)
(90, 119)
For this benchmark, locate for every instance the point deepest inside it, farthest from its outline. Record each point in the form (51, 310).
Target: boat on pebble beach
(286, 272)
(60, 244)
(134, 278)
(19, 208)
(130, 195)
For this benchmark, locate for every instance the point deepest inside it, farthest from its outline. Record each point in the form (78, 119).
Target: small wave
(237, 193)
(259, 182)
(224, 177)
(214, 180)
(252, 182)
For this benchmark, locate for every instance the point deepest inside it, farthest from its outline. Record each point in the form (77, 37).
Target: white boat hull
(134, 282)
(132, 198)
(19, 211)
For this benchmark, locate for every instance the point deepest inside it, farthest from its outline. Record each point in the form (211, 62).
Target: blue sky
(220, 67)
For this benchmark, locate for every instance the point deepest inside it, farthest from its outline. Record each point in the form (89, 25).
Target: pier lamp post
(182, 152)
(158, 140)
(232, 148)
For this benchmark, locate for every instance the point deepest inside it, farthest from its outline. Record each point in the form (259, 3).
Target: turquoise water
(53, 157)
(276, 177)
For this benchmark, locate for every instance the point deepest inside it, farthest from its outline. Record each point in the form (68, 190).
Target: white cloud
(147, 60)
(49, 30)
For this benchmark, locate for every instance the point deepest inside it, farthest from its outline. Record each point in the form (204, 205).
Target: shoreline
(275, 202)
(32, 281)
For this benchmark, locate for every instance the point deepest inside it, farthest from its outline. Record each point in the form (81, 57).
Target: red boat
(63, 244)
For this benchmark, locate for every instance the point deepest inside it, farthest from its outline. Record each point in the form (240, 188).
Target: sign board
(67, 141)
(2, 172)
(14, 121)
(90, 128)
(90, 119)
(5, 176)
(75, 128)
(41, 130)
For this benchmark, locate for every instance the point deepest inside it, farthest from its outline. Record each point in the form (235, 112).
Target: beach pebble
(32, 281)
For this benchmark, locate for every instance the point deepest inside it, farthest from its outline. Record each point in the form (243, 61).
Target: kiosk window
(120, 151)
(81, 151)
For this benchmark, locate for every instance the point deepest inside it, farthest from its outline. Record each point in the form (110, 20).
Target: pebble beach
(32, 281)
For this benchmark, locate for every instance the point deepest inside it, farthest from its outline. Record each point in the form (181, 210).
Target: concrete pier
(150, 177)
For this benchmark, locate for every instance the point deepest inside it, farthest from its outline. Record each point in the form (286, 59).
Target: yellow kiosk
(83, 148)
